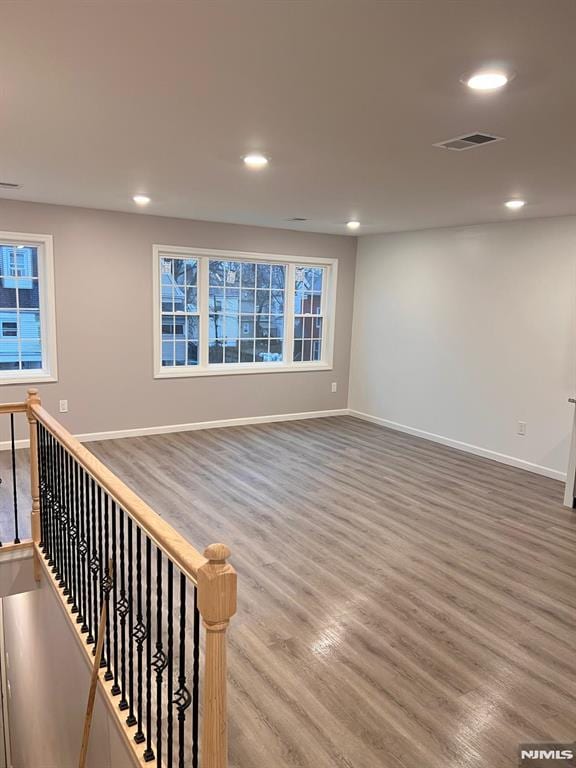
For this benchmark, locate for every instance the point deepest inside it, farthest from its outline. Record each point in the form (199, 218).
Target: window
(27, 328)
(226, 312)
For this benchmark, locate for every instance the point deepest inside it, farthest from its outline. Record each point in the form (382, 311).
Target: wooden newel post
(216, 603)
(34, 399)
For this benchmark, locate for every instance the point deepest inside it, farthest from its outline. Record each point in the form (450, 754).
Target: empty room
(287, 384)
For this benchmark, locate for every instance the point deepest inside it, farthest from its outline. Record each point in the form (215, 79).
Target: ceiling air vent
(297, 218)
(8, 185)
(468, 141)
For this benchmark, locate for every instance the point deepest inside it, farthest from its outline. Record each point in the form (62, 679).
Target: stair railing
(84, 517)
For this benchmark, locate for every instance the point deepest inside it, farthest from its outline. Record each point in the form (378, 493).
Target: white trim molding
(90, 437)
(287, 364)
(49, 370)
(485, 453)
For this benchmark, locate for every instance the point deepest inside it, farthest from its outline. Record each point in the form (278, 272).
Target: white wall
(463, 332)
(48, 679)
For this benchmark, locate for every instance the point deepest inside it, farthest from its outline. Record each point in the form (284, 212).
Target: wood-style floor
(401, 604)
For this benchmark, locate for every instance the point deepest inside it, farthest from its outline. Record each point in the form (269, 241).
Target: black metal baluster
(170, 665)
(69, 589)
(49, 497)
(41, 486)
(131, 719)
(195, 681)
(77, 606)
(83, 550)
(139, 635)
(62, 518)
(58, 513)
(55, 506)
(89, 545)
(122, 611)
(72, 533)
(14, 481)
(107, 581)
(148, 753)
(115, 687)
(95, 560)
(182, 697)
(160, 660)
(109, 576)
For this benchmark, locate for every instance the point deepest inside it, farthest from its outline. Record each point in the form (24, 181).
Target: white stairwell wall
(48, 678)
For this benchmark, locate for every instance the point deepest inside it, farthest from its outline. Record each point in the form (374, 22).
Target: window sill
(214, 370)
(36, 378)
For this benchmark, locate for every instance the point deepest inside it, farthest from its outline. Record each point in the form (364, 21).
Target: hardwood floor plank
(401, 603)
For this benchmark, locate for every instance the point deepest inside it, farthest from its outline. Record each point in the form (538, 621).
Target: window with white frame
(227, 312)
(27, 332)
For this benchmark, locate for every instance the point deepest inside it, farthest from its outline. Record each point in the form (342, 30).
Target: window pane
(216, 273)
(216, 327)
(247, 351)
(308, 327)
(192, 328)
(247, 301)
(263, 273)
(7, 296)
(231, 326)
(318, 280)
(232, 273)
(261, 350)
(262, 326)
(231, 351)
(29, 325)
(247, 326)
(216, 299)
(316, 304)
(317, 328)
(18, 261)
(167, 327)
(231, 299)
(298, 327)
(191, 299)
(180, 353)
(179, 298)
(276, 350)
(263, 302)
(277, 302)
(306, 349)
(192, 353)
(179, 271)
(28, 295)
(191, 272)
(248, 275)
(316, 350)
(276, 326)
(167, 353)
(215, 352)
(278, 276)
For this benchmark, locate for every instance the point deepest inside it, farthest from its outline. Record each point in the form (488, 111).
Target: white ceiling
(99, 100)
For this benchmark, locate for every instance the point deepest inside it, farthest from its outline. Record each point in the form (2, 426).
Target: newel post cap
(217, 587)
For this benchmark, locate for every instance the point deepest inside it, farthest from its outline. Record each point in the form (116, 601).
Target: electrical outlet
(63, 406)
(522, 428)
(334, 386)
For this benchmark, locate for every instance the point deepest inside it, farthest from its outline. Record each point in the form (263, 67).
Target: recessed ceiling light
(487, 80)
(141, 199)
(515, 205)
(353, 224)
(255, 160)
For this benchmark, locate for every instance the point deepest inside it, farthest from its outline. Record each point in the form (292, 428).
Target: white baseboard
(467, 447)
(89, 437)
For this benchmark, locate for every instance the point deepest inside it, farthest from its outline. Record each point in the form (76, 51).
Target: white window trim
(49, 370)
(235, 369)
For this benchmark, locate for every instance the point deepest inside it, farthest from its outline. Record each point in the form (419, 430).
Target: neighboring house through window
(227, 312)
(27, 332)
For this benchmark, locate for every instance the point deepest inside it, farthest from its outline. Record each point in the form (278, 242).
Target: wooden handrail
(13, 408)
(215, 579)
(174, 546)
